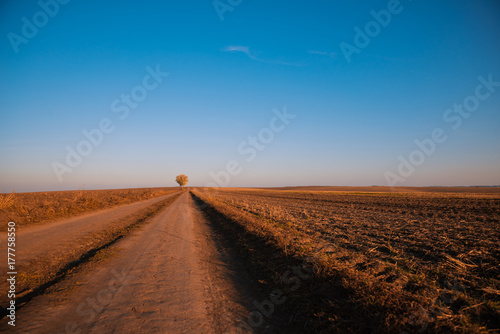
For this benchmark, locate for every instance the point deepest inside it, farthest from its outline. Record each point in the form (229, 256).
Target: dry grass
(402, 261)
(27, 209)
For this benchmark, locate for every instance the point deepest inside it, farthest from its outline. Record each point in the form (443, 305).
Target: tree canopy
(182, 180)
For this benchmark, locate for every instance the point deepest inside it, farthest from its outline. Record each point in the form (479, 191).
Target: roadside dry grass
(27, 209)
(382, 262)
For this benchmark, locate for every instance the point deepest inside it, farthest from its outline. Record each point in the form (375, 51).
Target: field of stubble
(392, 262)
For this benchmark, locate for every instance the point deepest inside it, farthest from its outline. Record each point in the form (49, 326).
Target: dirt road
(46, 239)
(167, 277)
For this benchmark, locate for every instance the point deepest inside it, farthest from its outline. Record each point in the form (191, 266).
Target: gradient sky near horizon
(353, 119)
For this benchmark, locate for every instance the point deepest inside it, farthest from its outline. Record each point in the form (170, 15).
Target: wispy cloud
(323, 53)
(255, 56)
(239, 48)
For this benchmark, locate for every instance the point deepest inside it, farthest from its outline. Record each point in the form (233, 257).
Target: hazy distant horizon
(256, 187)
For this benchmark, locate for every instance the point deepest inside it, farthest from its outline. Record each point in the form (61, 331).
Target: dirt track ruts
(44, 239)
(167, 277)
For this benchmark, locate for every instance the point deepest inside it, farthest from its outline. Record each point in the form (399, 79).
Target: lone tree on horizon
(182, 180)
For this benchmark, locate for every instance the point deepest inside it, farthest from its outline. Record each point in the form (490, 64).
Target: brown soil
(404, 261)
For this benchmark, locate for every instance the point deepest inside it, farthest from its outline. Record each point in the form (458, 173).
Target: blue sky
(356, 116)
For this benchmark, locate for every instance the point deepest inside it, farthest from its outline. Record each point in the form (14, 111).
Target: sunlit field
(404, 260)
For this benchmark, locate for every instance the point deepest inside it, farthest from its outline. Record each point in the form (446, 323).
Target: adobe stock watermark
(223, 6)
(92, 306)
(295, 275)
(30, 27)
(121, 107)
(454, 118)
(363, 37)
(250, 148)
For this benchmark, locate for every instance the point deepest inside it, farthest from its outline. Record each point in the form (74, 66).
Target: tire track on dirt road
(42, 239)
(167, 277)
(45, 253)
